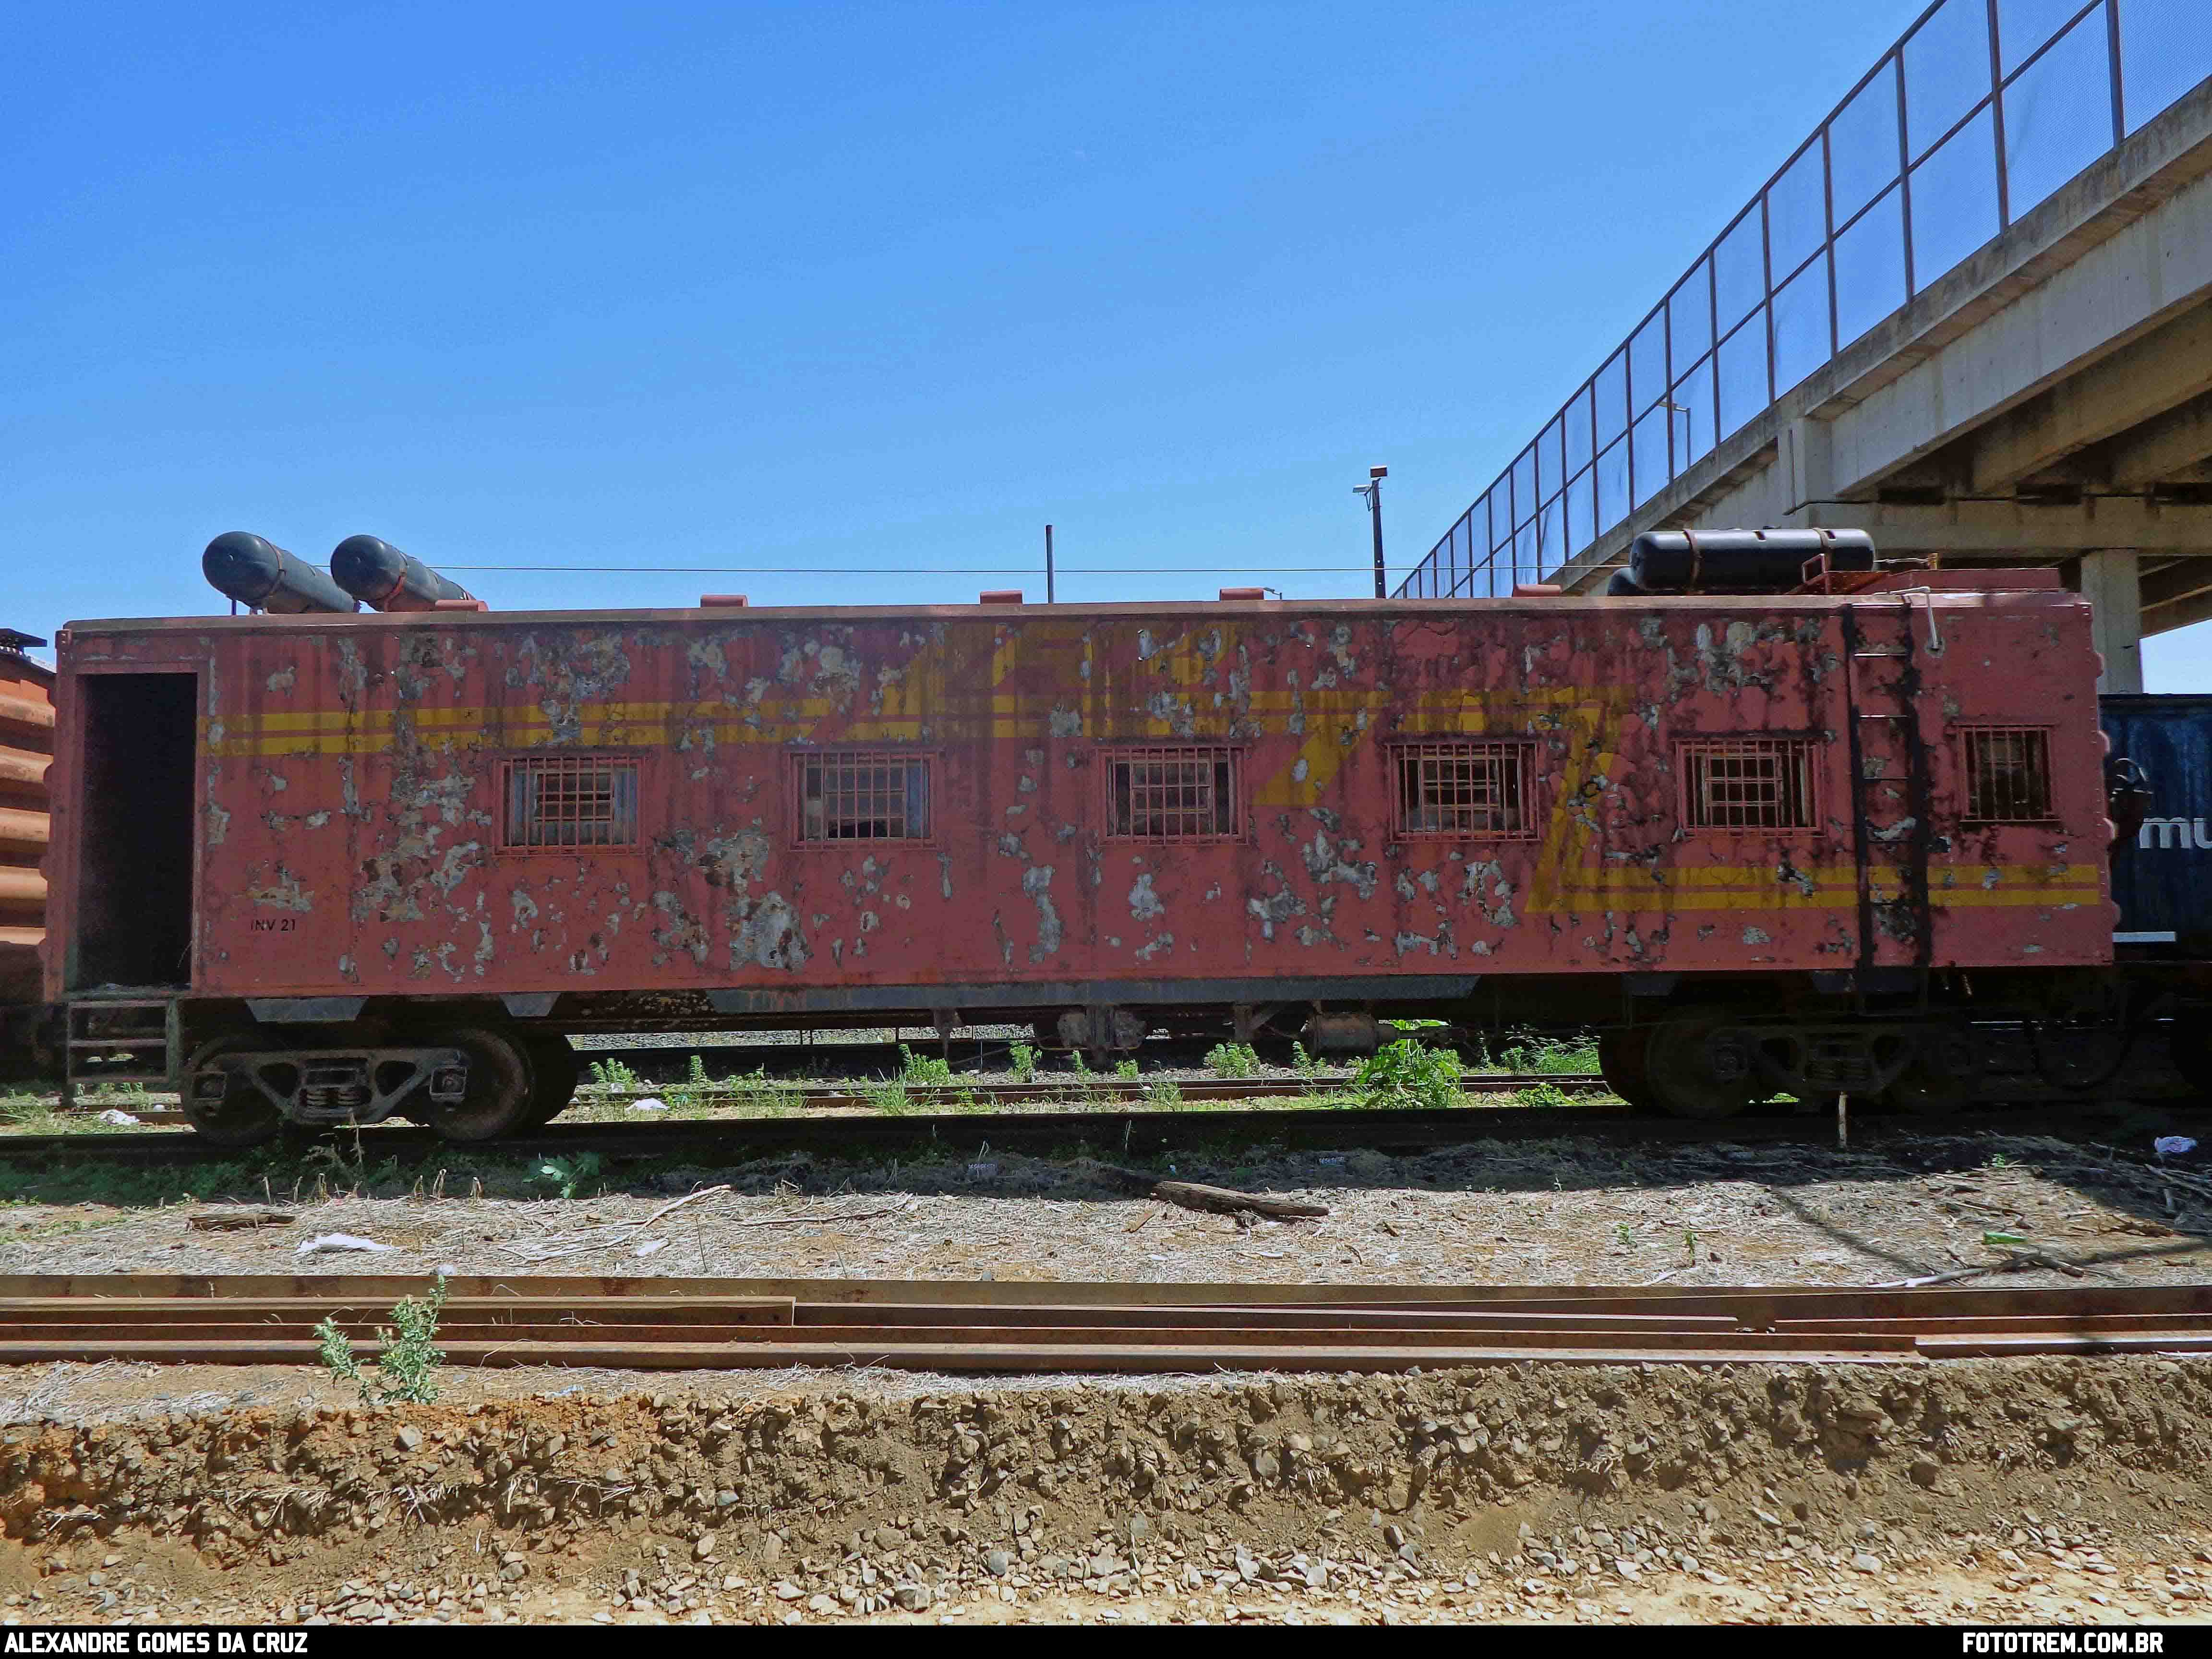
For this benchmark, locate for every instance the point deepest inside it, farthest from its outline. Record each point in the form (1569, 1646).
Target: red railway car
(334, 867)
(26, 734)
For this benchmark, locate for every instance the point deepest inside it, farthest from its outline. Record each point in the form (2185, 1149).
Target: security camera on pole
(1373, 490)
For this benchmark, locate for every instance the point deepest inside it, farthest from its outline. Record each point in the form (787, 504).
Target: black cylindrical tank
(1718, 561)
(255, 571)
(378, 574)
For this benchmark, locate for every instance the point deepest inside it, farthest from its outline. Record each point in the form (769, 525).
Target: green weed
(1233, 1059)
(1405, 1073)
(1525, 1051)
(1166, 1096)
(618, 1079)
(917, 1071)
(30, 1112)
(1024, 1063)
(568, 1175)
(407, 1371)
(758, 1092)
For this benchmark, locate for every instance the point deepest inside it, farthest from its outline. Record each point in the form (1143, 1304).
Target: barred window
(1174, 794)
(1746, 783)
(2007, 773)
(571, 800)
(1461, 789)
(862, 795)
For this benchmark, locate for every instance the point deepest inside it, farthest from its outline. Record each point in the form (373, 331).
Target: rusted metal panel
(355, 794)
(26, 729)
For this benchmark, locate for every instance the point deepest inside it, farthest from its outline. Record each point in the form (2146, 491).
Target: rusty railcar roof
(1134, 610)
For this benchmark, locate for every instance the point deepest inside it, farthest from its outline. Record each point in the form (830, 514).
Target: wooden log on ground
(1218, 1201)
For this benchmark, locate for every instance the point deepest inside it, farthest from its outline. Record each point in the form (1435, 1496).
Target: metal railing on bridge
(1980, 113)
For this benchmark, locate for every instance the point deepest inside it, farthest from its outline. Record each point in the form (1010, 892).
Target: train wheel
(1681, 1072)
(1622, 1063)
(553, 1073)
(244, 1116)
(499, 1094)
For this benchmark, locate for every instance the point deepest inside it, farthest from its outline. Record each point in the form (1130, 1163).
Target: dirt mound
(1433, 1473)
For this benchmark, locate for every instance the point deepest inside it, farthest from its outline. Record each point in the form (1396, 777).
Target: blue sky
(882, 286)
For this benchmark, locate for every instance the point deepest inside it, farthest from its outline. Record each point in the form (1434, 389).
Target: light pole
(1373, 490)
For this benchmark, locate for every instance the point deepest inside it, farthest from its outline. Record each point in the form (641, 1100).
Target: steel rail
(834, 1096)
(952, 1301)
(850, 1095)
(984, 1327)
(1149, 1133)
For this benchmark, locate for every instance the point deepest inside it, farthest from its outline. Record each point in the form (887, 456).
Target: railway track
(835, 1097)
(1132, 1133)
(848, 1095)
(674, 1324)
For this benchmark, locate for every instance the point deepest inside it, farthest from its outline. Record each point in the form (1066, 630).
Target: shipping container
(2162, 874)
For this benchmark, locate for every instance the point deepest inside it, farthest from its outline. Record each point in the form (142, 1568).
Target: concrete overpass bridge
(1970, 314)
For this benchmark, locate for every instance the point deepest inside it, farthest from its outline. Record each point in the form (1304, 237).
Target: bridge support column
(2111, 585)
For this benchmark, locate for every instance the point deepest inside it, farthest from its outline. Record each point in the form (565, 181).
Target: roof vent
(1243, 592)
(459, 604)
(721, 601)
(1000, 596)
(1537, 590)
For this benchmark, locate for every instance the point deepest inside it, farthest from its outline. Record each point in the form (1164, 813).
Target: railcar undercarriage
(476, 1069)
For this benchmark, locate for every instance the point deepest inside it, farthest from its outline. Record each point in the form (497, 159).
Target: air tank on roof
(378, 574)
(256, 572)
(1737, 560)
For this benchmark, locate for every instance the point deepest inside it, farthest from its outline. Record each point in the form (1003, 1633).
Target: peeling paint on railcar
(386, 744)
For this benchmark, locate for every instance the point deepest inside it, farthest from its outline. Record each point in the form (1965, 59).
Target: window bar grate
(571, 800)
(1747, 783)
(2007, 773)
(1174, 794)
(862, 795)
(1461, 789)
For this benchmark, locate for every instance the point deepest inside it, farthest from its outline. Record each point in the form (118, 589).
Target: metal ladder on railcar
(1891, 791)
(148, 1031)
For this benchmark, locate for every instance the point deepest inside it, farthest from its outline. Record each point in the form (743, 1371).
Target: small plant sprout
(1023, 1062)
(615, 1077)
(921, 1072)
(1233, 1059)
(407, 1371)
(568, 1175)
